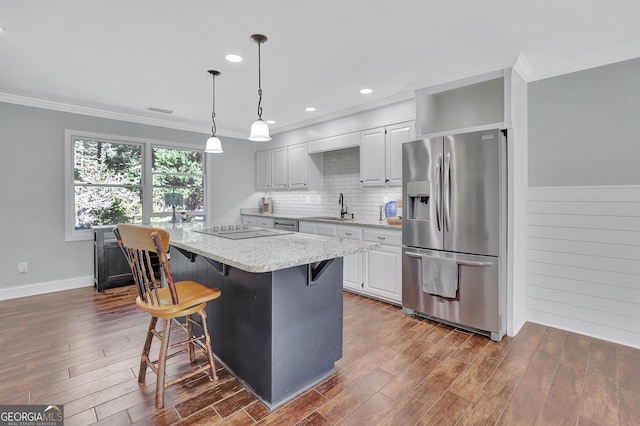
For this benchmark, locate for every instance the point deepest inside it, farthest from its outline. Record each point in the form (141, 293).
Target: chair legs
(207, 345)
(145, 351)
(160, 366)
(162, 363)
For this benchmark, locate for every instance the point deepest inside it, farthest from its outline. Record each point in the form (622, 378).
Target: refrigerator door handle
(459, 262)
(447, 192)
(438, 190)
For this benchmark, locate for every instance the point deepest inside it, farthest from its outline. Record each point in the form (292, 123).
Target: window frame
(72, 234)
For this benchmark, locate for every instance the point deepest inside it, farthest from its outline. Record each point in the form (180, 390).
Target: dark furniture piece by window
(110, 266)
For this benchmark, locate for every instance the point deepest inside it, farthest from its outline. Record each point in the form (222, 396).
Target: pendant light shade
(213, 146)
(259, 128)
(260, 131)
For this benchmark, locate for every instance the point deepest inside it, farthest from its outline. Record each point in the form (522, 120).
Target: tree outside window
(113, 177)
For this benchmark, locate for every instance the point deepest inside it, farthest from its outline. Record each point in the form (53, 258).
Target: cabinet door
(396, 136)
(372, 157)
(352, 272)
(352, 263)
(263, 170)
(279, 168)
(383, 273)
(297, 162)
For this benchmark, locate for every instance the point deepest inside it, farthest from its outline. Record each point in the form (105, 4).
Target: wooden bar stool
(177, 300)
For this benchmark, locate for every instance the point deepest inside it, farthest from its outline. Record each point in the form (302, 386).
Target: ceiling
(117, 58)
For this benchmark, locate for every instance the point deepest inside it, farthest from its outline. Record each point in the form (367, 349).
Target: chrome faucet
(343, 209)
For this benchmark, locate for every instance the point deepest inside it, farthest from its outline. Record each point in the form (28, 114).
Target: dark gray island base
(279, 332)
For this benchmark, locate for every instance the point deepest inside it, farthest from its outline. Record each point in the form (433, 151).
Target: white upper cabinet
(395, 137)
(288, 167)
(372, 157)
(263, 170)
(298, 166)
(381, 154)
(279, 171)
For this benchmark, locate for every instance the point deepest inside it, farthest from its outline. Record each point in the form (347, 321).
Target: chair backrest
(144, 246)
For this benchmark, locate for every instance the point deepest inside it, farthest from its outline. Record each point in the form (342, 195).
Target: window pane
(107, 162)
(167, 160)
(192, 199)
(178, 171)
(106, 206)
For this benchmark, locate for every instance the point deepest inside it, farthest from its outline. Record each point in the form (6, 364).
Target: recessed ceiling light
(366, 91)
(233, 58)
(271, 121)
(310, 109)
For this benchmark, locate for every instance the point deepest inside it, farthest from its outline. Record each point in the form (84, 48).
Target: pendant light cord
(213, 106)
(259, 84)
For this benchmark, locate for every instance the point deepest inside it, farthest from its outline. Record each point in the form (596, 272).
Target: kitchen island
(278, 323)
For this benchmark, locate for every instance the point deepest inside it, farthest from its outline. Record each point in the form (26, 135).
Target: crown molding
(523, 67)
(100, 113)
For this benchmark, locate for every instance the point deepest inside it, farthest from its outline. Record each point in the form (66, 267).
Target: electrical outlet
(22, 267)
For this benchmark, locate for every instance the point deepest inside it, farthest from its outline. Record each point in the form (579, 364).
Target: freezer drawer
(477, 304)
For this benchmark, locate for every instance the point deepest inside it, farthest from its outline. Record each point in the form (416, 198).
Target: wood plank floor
(81, 349)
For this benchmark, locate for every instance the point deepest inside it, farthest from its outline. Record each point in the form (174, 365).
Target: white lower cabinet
(376, 273)
(352, 269)
(382, 268)
(249, 220)
(263, 222)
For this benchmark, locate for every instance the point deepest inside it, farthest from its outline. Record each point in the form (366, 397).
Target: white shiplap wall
(583, 260)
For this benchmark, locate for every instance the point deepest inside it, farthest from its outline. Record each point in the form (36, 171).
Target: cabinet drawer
(249, 220)
(265, 222)
(383, 236)
(351, 232)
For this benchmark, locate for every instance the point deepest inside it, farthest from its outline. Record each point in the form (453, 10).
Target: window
(112, 179)
(177, 180)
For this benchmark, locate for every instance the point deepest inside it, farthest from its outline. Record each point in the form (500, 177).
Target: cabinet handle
(386, 180)
(361, 181)
(382, 238)
(347, 233)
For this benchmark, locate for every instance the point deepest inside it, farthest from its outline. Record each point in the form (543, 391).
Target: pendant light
(259, 129)
(214, 146)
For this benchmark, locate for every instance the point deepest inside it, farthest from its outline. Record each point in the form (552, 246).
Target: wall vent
(161, 110)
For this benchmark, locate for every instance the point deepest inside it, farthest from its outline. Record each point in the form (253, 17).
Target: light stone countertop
(357, 222)
(263, 254)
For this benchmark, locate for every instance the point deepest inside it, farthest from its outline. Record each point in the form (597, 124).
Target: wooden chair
(175, 300)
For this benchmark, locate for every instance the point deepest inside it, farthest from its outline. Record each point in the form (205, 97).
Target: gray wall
(32, 188)
(584, 127)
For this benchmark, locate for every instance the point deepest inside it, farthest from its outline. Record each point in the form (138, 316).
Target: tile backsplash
(341, 174)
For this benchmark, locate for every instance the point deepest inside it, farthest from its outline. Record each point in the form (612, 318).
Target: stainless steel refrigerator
(454, 230)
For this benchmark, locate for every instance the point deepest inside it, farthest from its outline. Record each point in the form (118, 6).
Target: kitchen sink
(329, 218)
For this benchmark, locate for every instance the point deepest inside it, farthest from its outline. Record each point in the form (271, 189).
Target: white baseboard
(45, 287)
